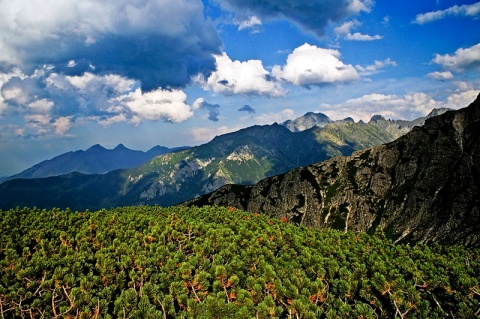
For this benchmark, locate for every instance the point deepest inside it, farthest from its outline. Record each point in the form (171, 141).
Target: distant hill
(243, 157)
(422, 187)
(95, 160)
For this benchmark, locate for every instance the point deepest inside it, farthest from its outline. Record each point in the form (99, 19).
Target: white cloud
(167, 105)
(4, 78)
(269, 118)
(206, 134)
(41, 106)
(459, 100)
(357, 36)
(62, 125)
(409, 106)
(346, 27)
(466, 10)
(345, 30)
(251, 22)
(376, 67)
(236, 77)
(462, 59)
(441, 76)
(89, 82)
(311, 65)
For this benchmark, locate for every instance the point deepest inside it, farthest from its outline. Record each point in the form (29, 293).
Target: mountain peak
(96, 147)
(307, 121)
(377, 118)
(120, 147)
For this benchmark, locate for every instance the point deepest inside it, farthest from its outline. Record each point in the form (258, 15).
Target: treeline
(152, 262)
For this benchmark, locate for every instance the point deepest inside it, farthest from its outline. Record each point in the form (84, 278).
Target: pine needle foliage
(211, 262)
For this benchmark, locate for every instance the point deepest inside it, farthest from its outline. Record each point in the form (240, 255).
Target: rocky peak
(377, 118)
(307, 121)
(423, 187)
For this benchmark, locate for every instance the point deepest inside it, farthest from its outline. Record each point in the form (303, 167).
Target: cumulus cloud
(311, 65)
(247, 108)
(463, 59)
(167, 105)
(161, 43)
(213, 109)
(376, 67)
(313, 16)
(466, 10)
(345, 31)
(441, 76)
(409, 106)
(236, 77)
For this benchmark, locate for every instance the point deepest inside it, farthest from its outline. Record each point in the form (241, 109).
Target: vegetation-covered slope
(150, 262)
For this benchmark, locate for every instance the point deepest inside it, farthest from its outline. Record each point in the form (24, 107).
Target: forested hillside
(152, 262)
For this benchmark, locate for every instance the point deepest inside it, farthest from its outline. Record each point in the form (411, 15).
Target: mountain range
(95, 160)
(422, 187)
(243, 157)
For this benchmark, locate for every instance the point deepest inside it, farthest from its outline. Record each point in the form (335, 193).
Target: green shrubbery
(152, 262)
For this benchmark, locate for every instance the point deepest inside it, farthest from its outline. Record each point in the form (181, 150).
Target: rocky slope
(422, 187)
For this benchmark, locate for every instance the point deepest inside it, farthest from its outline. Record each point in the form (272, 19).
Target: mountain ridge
(243, 157)
(94, 160)
(422, 187)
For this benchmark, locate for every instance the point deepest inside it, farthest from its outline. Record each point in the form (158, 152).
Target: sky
(179, 72)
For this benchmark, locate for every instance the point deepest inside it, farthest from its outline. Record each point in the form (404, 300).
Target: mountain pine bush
(211, 262)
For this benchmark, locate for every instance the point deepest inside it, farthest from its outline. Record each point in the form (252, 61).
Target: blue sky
(178, 72)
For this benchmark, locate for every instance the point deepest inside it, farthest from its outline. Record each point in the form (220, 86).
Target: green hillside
(152, 262)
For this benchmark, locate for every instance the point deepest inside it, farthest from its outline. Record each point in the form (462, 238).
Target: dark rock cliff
(422, 187)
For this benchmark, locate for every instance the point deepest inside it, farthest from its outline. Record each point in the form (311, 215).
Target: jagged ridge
(424, 186)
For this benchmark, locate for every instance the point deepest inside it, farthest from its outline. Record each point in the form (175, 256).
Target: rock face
(422, 187)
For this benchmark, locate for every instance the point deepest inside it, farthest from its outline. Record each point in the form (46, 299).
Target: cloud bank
(409, 106)
(53, 103)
